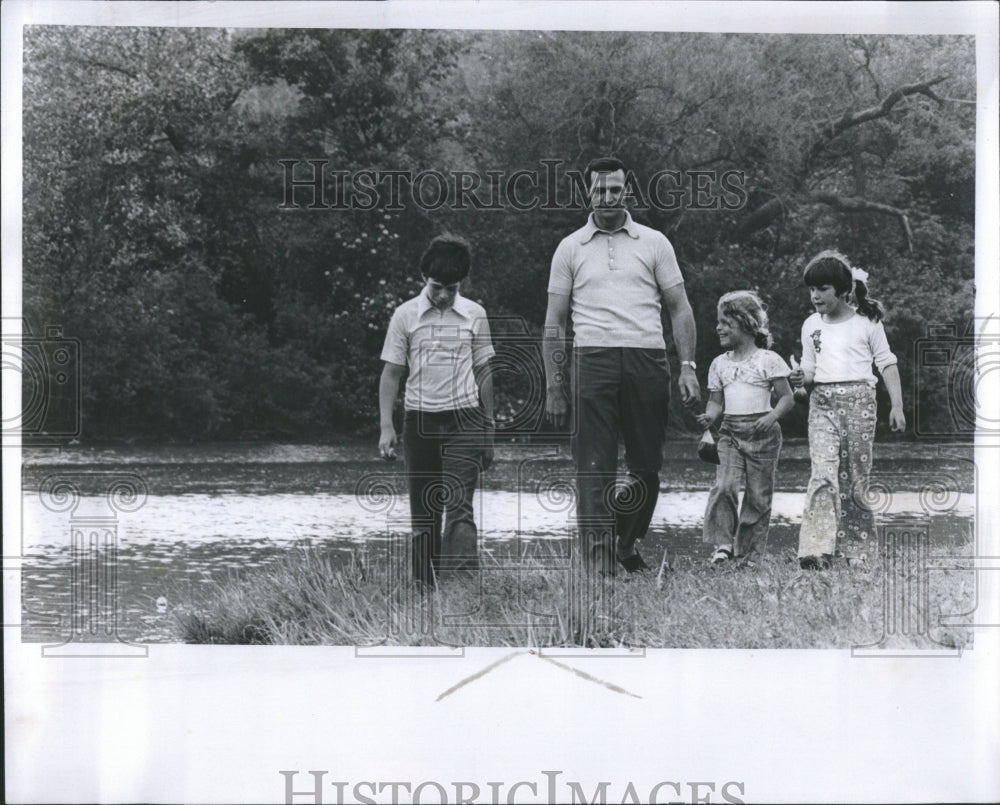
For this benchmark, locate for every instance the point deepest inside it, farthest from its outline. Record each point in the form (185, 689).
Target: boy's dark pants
(443, 452)
(618, 390)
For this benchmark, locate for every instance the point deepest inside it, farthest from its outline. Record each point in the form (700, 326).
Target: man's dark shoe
(634, 564)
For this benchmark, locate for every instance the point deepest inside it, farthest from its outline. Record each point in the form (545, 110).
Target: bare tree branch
(856, 204)
(881, 110)
(866, 49)
(761, 218)
(727, 156)
(851, 119)
(114, 68)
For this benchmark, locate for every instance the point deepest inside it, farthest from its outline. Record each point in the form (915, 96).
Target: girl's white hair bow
(859, 275)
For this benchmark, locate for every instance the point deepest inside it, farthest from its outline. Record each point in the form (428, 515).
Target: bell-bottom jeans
(744, 461)
(837, 518)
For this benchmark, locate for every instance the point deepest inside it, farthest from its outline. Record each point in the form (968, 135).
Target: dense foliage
(157, 229)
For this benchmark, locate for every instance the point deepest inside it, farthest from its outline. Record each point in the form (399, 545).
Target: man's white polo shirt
(615, 281)
(440, 348)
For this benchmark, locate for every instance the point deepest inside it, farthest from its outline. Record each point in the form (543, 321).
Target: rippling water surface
(181, 517)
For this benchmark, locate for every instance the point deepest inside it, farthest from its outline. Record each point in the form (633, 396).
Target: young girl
(740, 382)
(839, 345)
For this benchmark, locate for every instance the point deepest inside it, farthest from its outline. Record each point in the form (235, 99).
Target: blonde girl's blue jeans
(743, 460)
(841, 434)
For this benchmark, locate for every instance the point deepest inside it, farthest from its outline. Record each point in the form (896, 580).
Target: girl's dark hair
(447, 259)
(832, 268)
(749, 312)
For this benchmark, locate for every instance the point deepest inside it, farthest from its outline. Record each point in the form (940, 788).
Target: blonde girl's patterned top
(746, 384)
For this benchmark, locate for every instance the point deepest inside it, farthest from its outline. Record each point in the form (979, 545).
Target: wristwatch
(692, 364)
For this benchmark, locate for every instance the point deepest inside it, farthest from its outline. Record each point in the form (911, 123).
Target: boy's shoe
(816, 562)
(721, 556)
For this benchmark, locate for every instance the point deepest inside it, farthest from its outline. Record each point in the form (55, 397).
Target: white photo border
(218, 724)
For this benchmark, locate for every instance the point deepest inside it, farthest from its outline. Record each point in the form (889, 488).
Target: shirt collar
(592, 228)
(461, 305)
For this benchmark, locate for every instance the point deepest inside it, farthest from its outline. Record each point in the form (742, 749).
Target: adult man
(444, 339)
(615, 276)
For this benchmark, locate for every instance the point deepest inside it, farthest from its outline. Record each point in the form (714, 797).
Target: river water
(178, 518)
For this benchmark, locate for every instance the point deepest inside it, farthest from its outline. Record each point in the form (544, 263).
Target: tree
(158, 228)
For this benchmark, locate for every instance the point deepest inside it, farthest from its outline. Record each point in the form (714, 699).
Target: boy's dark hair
(447, 259)
(603, 165)
(832, 268)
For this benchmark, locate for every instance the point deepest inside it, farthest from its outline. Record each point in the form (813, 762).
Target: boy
(443, 339)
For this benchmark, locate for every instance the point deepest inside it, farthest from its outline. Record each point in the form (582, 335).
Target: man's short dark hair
(447, 259)
(603, 165)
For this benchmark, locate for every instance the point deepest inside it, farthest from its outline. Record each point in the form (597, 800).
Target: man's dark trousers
(443, 451)
(618, 390)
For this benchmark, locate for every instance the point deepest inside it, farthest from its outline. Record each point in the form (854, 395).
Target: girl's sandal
(721, 556)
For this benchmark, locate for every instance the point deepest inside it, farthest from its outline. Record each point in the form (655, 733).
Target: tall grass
(538, 600)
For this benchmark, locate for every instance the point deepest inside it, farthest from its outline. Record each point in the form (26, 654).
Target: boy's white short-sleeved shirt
(746, 384)
(440, 348)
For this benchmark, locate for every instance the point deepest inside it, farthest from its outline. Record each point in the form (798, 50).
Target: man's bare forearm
(554, 354)
(684, 332)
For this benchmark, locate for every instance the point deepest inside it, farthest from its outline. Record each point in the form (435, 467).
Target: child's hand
(897, 420)
(797, 378)
(704, 420)
(387, 443)
(763, 425)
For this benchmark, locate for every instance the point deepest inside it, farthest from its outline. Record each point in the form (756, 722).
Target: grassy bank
(309, 598)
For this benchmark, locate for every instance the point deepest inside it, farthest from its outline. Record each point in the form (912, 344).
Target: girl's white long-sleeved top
(844, 351)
